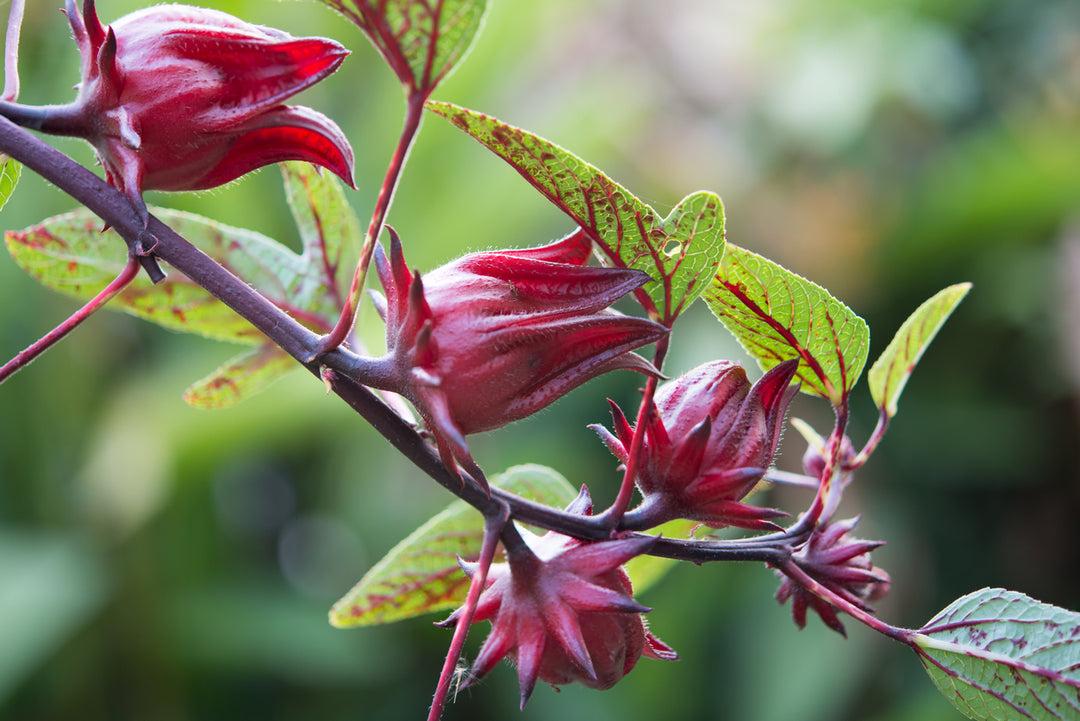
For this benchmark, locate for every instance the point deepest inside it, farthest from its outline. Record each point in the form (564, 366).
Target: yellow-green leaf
(240, 377)
(890, 372)
(421, 574)
(680, 252)
(10, 170)
(778, 315)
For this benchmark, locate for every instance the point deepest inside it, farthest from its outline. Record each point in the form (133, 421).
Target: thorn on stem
(144, 251)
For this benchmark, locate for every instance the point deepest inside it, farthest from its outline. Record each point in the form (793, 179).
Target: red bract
(175, 97)
(709, 438)
(842, 564)
(562, 611)
(494, 337)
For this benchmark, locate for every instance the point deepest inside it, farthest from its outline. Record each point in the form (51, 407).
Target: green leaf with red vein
(777, 315)
(423, 41)
(330, 233)
(998, 654)
(421, 574)
(10, 170)
(680, 252)
(890, 372)
(240, 377)
(69, 253)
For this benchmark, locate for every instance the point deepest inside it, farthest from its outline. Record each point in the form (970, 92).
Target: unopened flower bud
(494, 337)
(841, 563)
(175, 97)
(709, 438)
(562, 610)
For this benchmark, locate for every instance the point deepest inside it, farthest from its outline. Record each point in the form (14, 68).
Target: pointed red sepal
(622, 428)
(557, 288)
(732, 483)
(95, 31)
(267, 73)
(740, 515)
(774, 385)
(655, 648)
(561, 621)
(688, 457)
(582, 504)
(594, 559)
(284, 133)
(574, 249)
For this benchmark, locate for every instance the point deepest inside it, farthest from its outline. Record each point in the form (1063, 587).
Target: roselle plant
(181, 98)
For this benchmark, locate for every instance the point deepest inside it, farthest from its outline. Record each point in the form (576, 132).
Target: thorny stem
(11, 51)
(493, 526)
(413, 116)
(22, 359)
(299, 342)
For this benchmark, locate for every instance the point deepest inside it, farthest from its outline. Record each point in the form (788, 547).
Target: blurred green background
(159, 562)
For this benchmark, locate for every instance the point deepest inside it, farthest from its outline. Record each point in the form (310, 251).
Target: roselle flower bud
(562, 610)
(842, 564)
(175, 97)
(709, 438)
(494, 337)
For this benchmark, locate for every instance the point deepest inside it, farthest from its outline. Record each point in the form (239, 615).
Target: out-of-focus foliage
(165, 562)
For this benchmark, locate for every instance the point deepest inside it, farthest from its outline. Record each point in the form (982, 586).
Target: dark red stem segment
(413, 116)
(493, 526)
(22, 359)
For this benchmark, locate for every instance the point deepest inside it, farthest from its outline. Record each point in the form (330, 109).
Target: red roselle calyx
(175, 97)
(494, 337)
(842, 564)
(562, 610)
(709, 438)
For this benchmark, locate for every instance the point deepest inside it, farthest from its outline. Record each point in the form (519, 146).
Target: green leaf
(10, 170)
(330, 232)
(421, 574)
(680, 252)
(890, 373)
(777, 315)
(645, 571)
(422, 41)
(70, 254)
(999, 654)
(240, 378)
